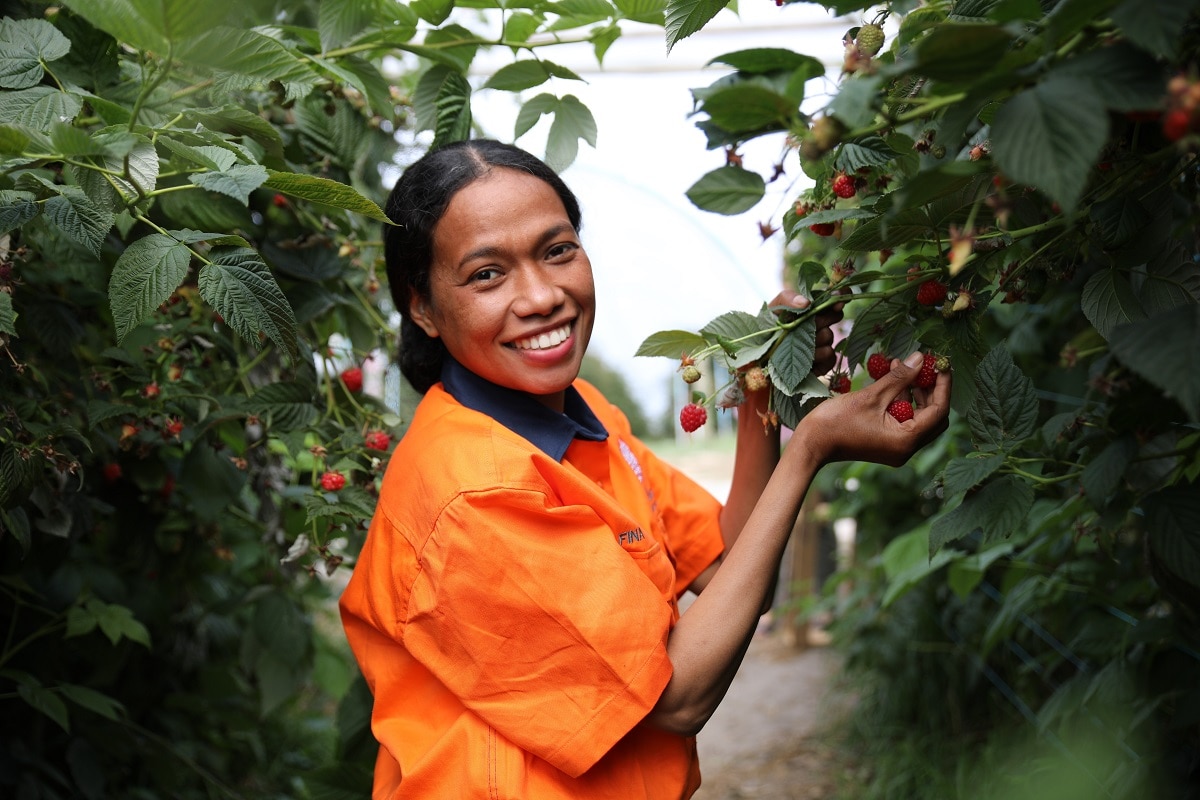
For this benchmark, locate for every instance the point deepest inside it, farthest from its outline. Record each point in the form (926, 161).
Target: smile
(544, 340)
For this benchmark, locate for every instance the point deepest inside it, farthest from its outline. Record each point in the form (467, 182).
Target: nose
(538, 292)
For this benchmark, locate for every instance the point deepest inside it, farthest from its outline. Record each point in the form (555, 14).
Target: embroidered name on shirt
(629, 537)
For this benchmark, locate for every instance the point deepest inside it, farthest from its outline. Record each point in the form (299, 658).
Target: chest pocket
(649, 548)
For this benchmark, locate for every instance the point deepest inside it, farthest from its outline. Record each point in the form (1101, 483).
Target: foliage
(1042, 564)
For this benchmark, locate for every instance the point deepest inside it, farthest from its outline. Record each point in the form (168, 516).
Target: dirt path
(769, 737)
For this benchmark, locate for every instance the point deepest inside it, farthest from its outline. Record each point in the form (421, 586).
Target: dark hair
(416, 204)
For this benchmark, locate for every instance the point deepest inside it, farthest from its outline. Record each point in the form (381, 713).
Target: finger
(787, 297)
(824, 338)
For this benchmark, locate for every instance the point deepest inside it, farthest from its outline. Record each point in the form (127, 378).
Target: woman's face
(510, 291)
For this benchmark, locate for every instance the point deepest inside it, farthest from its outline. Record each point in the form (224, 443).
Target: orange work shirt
(510, 608)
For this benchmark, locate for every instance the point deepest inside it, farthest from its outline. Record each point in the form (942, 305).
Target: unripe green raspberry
(942, 364)
(869, 40)
(690, 374)
(755, 379)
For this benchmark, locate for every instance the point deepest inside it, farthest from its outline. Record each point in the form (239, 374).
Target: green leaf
(1169, 280)
(906, 563)
(451, 106)
(14, 139)
(1162, 349)
(531, 111)
(651, 12)
(1050, 136)
(1154, 25)
(209, 481)
(727, 190)
(281, 626)
(1005, 409)
(856, 101)
(869, 151)
(237, 121)
(25, 45)
(285, 406)
(1119, 219)
(79, 218)
(340, 21)
(144, 277)
(325, 191)
(522, 75)
(16, 208)
(967, 472)
(792, 359)
(434, 12)
(966, 573)
(38, 107)
(92, 700)
(685, 17)
(671, 344)
(247, 52)
(14, 522)
(242, 290)
(572, 121)
(747, 107)
(1173, 527)
(1108, 301)
(47, 702)
(1103, 473)
(8, 317)
(152, 24)
(995, 510)
(236, 182)
(211, 158)
(761, 60)
(956, 52)
(1128, 79)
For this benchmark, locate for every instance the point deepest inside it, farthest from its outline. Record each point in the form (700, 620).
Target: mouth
(543, 341)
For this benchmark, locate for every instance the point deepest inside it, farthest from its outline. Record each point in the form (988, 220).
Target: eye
(484, 275)
(562, 251)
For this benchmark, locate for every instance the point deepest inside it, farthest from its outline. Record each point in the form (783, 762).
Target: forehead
(496, 204)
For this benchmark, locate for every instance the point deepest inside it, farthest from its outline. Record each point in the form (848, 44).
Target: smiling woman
(515, 608)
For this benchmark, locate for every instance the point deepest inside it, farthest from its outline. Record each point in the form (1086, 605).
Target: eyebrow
(487, 251)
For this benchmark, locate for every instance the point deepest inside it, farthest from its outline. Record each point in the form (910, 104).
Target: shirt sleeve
(540, 623)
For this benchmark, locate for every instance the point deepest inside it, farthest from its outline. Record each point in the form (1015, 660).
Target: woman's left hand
(824, 357)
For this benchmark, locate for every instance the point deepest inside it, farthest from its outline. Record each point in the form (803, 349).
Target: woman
(514, 609)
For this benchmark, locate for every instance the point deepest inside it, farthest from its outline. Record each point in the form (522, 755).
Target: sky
(661, 263)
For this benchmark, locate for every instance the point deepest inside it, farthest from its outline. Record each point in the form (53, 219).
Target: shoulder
(613, 418)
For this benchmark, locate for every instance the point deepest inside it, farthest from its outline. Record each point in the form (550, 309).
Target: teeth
(544, 340)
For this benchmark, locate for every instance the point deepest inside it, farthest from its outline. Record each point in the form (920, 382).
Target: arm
(707, 644)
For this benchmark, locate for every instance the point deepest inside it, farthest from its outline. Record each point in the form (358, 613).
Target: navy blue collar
(550, 431)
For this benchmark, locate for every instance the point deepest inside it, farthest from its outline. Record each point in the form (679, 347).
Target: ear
(418, 310)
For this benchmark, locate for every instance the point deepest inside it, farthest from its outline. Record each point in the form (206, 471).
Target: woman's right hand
(857, 427)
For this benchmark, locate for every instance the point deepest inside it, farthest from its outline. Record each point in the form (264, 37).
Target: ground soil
(772, 738)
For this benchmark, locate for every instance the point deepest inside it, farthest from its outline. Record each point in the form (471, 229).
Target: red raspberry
(150, 391)
(930, 293)
(902, 410)
(172, 428)
(333, 481)
(352, 378)
(692, 417)
(280, 201)
(839, 382)
(928, 374)
(1175, 124)
(843, 185)
(377, 440)
(878, 365)
(823, 228)
(112, 472)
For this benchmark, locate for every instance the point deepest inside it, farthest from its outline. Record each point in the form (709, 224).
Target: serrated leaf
(572, 121)
(995, 510)
(434, 12)
(1162, 350)
(1169, 280)
(1173, 527)
(671, 344)
(856, 101)
(152, 24)
(16, 208)
(685, 17)
(1154, 25)
(14, 139)
(79, 218)
(339, 21)
(144, 277)
(869, 151)
(531, 111)
(760, 60)
(651, 12)
(1103, 473)
(792, 359)
(247, 52)
(92, 700)
(207, 156)
(966, 573)
(117, 623)
(236, 182)
(1119, 219)
(958, 52)
(325, 191)
(522, 75)
(1050, 136)
(46, 702)
(968, 472)
(452, 107)
(727, 190)
(286, 406)
(8, 317)
(1005, 409)
(1108, 301)
(38, 107)
(237, 121)
(238, 285)
(25, 45)
(906, 564)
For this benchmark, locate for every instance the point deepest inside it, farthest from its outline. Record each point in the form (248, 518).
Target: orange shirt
(510, 610)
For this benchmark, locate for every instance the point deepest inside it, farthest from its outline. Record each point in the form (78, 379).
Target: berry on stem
(843, 185)
(377, 440)
(333, 481)
(839, 382)
(901, 410)
(930, 293)
(353, 379)
(755, 379)
(928, 374)
(691, 374)
(878, 365)
(823, 228)
(692, 416)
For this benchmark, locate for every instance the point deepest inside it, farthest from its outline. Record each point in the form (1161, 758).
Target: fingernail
(914, 360)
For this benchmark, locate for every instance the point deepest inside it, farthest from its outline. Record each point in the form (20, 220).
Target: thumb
(905, 372)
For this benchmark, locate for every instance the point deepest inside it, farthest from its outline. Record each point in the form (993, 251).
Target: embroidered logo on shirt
(629, 537)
